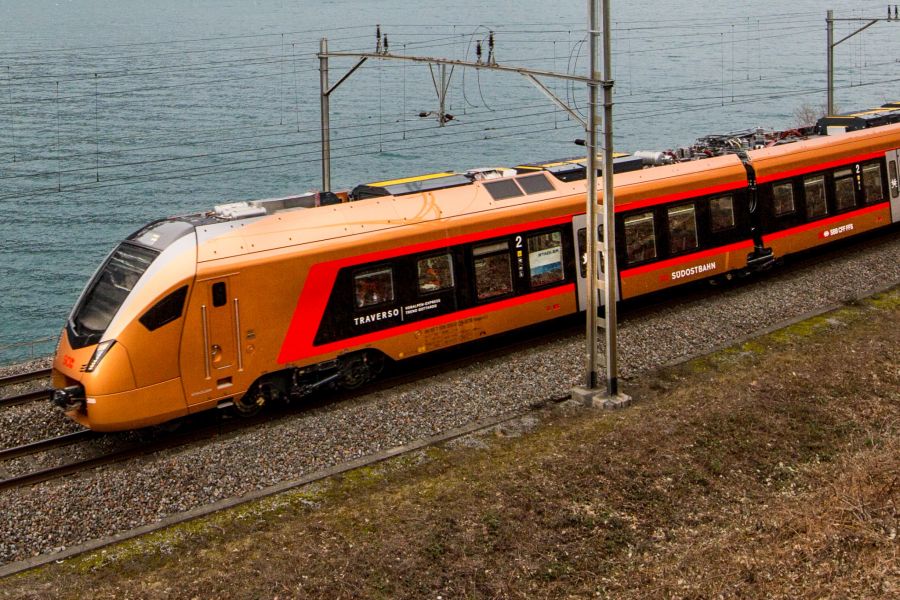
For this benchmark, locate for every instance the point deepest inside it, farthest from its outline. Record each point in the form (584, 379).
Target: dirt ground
(768, 470)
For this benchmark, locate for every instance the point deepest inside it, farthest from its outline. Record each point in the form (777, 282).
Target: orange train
(261, 300)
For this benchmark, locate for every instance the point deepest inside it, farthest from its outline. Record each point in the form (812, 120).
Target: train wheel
(359, 369)
(253, 401)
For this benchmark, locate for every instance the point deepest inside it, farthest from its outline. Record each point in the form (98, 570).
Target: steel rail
(23, 377)
(25, 398)
(48, 444)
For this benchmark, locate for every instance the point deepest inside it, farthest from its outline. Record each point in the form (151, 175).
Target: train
(258, 301)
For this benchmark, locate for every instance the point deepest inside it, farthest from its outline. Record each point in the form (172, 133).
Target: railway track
(206, 430)
(23, 378)
(48, 444)
(452, 359)
(25, 398)
(120, 454)
(8, 380)
(111, 475)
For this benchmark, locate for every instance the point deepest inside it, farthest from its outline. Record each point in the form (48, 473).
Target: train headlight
(99, 353)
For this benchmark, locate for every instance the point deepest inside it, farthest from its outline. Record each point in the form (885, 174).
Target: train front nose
(83, 374)
(67, 391)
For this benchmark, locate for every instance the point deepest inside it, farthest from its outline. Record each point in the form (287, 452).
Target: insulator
(385, 44)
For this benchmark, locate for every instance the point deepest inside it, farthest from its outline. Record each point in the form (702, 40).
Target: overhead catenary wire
(219, 141)
(666, 99)
(672, 22)
(233, 167)
(303, 142)
(379, 122)
(244, 165)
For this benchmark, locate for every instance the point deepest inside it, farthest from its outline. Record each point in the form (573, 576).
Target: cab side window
(166, 310)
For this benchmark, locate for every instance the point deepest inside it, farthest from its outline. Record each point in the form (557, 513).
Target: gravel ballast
(61, 513)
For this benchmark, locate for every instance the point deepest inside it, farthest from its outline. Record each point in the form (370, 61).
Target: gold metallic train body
(259, 300)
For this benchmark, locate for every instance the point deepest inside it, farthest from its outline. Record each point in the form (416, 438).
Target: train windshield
(108, 290)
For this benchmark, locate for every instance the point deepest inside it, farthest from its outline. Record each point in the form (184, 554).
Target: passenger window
(721, 212)
(374, 287)
(844, 189)
(682, 229)
(892, 179)
(166, 310)
(783, 198)
(872, 183)
(640, 238)
(218, 294)
(545, 258)
(435, 273)
(493, 272)
(814, 190)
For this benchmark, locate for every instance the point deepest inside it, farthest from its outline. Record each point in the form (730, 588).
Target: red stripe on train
(714, 189)
(305, 349)
(685, 259)
(298, 342)
(819, 167)
(825, 222)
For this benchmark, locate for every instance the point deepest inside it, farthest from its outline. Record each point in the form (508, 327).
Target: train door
(579, 233)
(220, 357)
(893, 163)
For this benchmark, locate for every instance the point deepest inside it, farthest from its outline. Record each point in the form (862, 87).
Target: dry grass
(764, 472)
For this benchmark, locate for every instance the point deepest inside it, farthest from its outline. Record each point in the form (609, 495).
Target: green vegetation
(765, 470)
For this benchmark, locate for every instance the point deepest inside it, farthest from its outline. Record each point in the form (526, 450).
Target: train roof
(452, 209)
(426, 206)
(813, 152)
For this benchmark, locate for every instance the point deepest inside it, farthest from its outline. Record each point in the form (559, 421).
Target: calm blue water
(113, 113)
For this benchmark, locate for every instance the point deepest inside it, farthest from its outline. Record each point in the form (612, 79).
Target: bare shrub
(806, 114)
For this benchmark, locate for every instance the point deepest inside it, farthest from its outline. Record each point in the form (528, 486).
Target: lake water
(114, 113)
